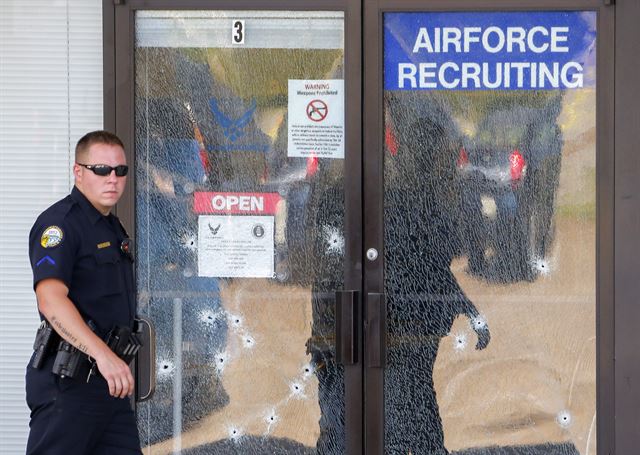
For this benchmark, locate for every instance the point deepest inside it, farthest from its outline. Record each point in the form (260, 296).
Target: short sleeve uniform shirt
(73, 242)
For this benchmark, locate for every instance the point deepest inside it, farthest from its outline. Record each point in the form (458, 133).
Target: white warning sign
(236, 246)
(316, 118)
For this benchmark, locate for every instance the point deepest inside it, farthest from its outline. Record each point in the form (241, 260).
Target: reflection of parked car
(510, 169)
(198, 135)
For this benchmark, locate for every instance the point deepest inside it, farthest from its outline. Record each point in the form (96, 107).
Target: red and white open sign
(236, 203)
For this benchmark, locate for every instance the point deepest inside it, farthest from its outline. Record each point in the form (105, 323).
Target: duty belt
(69, 360)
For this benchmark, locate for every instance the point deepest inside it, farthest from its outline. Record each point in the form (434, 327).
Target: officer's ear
(77, 172)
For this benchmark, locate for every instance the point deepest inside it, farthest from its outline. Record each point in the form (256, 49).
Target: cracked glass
(490, 233)
(239, 228)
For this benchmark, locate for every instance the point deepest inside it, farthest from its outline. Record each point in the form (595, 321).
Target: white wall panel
(50, 95)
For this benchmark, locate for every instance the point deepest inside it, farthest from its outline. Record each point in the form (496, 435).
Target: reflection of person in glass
(169, 170)
(421, 239)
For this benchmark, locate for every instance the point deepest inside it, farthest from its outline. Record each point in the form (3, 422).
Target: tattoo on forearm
(82, 347)
(68, 335)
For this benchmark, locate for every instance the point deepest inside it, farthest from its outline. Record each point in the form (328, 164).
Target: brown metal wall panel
(108, 65)
(627, 222)
(123, 106)
(605, 386)
(353, 214)
(373, 213)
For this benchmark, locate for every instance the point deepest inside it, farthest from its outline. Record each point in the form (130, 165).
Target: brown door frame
(627, 228)
(618, 401)
(118, 19)
(373, 128)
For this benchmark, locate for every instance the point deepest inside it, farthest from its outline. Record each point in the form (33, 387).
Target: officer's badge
(52, 236)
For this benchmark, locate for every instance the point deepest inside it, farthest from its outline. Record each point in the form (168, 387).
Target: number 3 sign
(237, 32)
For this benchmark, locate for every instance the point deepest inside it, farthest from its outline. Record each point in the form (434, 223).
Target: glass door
(483, 299)
(241, 140)
(447, 302)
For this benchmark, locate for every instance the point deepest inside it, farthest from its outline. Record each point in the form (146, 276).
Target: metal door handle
(347, 327)
(376, 330)
(145, 361)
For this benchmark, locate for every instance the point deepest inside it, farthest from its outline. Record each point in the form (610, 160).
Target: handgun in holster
(46, 339)
(124, 343)
(127, 345)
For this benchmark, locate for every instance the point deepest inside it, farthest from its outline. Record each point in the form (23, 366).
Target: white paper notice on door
(316, 118)
(236, 246)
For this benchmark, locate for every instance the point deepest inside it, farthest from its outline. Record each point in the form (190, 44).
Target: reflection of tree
(263, 74)
(260, 74)
(474, 105)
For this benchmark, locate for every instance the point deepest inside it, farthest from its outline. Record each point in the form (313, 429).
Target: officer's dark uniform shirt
(73, 242)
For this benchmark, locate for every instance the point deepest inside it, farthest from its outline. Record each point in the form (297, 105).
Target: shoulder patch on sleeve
(51, 237)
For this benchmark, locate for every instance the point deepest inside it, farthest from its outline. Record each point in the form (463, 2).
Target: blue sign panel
(494, 50)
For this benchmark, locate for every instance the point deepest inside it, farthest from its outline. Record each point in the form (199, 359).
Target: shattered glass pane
(246, 352)
(490, 254)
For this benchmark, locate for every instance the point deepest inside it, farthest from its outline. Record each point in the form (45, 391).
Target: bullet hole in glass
(564, 419)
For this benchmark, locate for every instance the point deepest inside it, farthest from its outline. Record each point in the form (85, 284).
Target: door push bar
(375, 329)
(347, 327)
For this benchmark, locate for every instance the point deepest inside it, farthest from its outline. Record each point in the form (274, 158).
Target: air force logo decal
(232, 128)
(52, 236)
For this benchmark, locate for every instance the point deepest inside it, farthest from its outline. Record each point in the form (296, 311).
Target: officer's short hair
(95, 137)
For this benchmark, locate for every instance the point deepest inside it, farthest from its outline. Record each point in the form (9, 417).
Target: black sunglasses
(103, 170)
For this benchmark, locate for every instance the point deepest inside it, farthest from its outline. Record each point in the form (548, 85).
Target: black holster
(46, 339)
(68, 360)
(124, 343)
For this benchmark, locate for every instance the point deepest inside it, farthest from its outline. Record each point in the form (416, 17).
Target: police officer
(83, 280)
